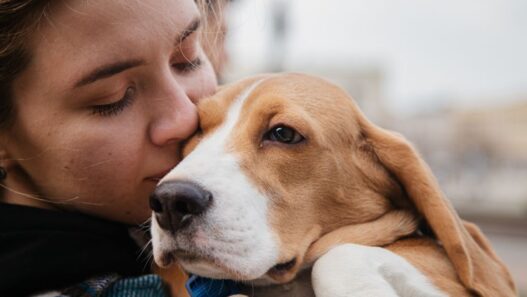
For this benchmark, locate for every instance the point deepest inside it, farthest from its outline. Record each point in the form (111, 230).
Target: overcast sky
(436, 50)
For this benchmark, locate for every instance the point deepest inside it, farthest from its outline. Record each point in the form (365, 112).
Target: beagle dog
(286, 175)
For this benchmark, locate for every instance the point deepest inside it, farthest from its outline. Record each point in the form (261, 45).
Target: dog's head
(279, 161)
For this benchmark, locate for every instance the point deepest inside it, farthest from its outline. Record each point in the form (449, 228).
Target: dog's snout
(176, 202)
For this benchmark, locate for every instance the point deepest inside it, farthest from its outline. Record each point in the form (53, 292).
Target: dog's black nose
(176, 202)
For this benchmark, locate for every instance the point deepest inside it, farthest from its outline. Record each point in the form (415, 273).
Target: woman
(96, 97)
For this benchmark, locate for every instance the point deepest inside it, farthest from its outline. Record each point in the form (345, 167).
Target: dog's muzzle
(175, 203)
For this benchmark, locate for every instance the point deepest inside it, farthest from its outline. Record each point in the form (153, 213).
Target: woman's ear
(474, 261)
(3, 170)
(16, 187)
(6, 162)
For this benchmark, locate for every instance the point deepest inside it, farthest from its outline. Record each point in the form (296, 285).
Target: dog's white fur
(364, 271)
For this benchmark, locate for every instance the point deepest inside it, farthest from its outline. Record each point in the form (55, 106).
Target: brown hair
(213, 32)
(17, 19)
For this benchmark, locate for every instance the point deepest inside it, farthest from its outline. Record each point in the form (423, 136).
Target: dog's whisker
(146, 247)
(149, 256)
(145, 226)
(148, 260)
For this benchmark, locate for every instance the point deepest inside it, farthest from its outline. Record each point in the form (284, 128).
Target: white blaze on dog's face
(274, 153)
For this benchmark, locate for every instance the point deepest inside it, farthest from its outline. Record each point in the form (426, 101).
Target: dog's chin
(209, 267)
(205, 268)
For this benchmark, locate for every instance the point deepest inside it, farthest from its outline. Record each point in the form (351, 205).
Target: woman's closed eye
(115, 107)
(187, 55)
(187, 66)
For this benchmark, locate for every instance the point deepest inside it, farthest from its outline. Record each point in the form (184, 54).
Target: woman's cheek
(101, 160)
(109, 185)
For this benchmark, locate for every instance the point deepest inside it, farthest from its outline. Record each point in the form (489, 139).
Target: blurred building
(479, 156)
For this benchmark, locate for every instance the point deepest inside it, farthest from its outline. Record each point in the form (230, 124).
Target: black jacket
(43, 249)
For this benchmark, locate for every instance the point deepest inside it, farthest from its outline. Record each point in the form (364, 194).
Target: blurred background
(450, 75)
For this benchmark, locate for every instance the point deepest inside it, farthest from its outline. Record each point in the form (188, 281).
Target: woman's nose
(175, 117)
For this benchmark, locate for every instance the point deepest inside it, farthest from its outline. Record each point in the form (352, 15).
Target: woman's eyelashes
(116, 107)
(187, 66)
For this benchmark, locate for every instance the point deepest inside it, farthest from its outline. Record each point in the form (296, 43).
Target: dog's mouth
(283, 268)
(208, 266)
(168, 258)
(186, 256)
(284, 272)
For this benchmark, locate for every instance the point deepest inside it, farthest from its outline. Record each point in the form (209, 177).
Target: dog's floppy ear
(476, 264)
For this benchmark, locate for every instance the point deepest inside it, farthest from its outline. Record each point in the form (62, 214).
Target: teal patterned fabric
(205, 287)
(143, 286)
(152, 286)
(149, 285)
(112, 285)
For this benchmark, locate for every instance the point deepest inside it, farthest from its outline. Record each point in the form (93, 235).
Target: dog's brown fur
(348, 174)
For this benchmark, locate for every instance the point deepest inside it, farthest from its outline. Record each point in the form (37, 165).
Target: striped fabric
(112, 285)
(206, 287)
(144, 286)
(149, 285)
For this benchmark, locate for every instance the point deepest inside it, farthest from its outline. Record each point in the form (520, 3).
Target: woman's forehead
(80, 34)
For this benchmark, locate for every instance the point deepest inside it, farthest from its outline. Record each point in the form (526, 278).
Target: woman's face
(105, 102)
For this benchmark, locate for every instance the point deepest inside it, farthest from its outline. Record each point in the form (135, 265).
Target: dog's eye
(283, 134)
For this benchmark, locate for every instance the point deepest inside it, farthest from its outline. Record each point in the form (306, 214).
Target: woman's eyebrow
(107, 71)
(191, 28)
(118, 67)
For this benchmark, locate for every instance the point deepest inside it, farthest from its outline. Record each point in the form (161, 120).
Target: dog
(286, 175)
